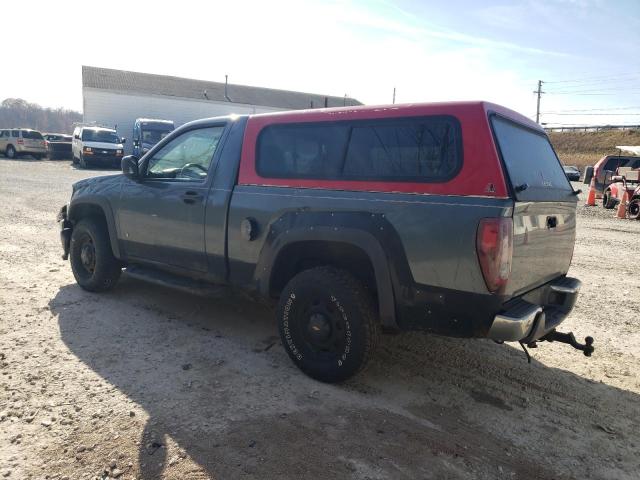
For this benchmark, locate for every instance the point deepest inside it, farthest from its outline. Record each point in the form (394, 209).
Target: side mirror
(77, 137)
(129, 165)
(123, 140)
(136, 143)
(588, 175)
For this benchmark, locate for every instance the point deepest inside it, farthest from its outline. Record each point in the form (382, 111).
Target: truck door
(162, 215)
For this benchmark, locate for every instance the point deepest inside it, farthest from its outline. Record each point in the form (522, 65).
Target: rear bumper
(536, 313)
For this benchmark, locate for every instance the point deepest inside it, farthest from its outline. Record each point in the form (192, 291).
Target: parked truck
(453, 218)
(147, 132)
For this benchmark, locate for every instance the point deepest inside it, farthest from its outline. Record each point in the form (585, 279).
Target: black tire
(92, 262)
(328, 323)
(11, 152)
(37, 156)
(607, 201)
(74, 160)
(83, 163)
(634, 209)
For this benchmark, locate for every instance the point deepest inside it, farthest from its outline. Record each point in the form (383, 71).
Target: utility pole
(539, 92)
(394, 95)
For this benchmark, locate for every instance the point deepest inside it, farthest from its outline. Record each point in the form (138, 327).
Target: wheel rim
(87, 254)
(322, 327)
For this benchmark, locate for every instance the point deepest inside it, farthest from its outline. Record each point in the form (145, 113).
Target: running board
(177, 282)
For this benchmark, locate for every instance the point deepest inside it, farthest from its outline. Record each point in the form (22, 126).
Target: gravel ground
(145, 382)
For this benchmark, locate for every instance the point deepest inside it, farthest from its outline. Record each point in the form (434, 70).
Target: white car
(97, 146)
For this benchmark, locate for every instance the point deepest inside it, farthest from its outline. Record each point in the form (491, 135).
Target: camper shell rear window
(533, 168)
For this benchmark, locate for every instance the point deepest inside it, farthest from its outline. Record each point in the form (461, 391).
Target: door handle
(552, 222)
(191, 197)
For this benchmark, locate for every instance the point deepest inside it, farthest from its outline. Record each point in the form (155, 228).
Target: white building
(116, 98)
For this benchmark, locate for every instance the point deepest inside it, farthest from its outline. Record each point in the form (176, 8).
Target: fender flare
(102, 204)
(285, 235)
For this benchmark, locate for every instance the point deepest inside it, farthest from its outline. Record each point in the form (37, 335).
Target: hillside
(16, 112)
(585, 148)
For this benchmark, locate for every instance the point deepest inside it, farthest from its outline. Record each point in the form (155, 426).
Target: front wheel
(92, 262)
(328, 324)
(634, 209)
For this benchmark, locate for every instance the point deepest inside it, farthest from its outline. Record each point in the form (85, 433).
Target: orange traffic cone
(622, 206)
(591, 198)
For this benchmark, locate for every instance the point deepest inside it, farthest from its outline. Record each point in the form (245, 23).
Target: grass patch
(586, 148)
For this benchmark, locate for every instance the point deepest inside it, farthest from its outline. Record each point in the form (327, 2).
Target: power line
(597, 114)
(597, 90)
(596, 109)
(595, 94)
(583, 79)
(597, 83)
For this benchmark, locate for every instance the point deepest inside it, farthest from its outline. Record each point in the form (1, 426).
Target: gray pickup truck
(453, 218)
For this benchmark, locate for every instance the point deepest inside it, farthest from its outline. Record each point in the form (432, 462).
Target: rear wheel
(11, 152)
(608, 201)
(328, 324)
(92, 262)
(634, 208)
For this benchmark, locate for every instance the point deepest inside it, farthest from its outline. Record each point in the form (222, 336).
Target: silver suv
(22, 141)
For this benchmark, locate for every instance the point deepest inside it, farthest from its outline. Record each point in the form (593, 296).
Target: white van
(97, 146)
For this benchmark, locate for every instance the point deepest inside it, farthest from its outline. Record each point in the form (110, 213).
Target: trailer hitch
(570, 339)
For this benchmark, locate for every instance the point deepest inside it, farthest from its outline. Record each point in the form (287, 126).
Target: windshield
(32, 135)
(104, 136)
(154, 136)
(533, 167)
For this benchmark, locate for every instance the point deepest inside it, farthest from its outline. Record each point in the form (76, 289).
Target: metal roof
(147, 83)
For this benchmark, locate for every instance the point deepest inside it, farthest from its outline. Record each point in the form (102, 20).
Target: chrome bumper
(536, 313)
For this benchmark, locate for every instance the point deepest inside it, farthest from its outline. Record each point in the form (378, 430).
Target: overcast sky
(429, 50)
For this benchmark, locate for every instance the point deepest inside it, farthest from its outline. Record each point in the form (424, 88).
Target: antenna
(394, 95)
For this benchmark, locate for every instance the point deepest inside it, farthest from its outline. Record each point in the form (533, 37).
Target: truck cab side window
(187, 157)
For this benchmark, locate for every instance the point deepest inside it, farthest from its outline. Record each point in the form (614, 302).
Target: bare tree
(16, 112)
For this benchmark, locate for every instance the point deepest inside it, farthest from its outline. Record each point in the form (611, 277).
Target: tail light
(494, 245)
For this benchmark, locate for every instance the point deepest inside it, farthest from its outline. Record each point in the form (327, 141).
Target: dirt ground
(145, 382)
